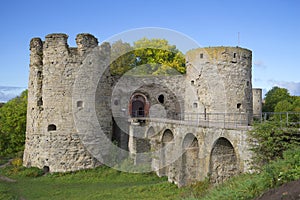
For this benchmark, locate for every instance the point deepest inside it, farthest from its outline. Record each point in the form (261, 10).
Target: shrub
(283, 170)
(17, 162)
(269, 140)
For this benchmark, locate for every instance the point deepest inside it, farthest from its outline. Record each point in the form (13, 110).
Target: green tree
(283, 106)
(146, 57)
(13, 125)
(296, 103)
(159, 56)
(122, 58)
(273, 96)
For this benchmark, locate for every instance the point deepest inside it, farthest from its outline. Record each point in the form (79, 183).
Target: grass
(250, 186)
(3, 160)
(107, 183)
(99, 183)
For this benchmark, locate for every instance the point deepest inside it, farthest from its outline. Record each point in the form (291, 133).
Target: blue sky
(271, 29)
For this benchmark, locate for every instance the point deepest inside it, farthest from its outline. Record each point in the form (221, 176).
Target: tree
(13, 125)
(122, 58)
(273, 96)
(283, 106)
(146, 57)
(296, 103)
(161, 57)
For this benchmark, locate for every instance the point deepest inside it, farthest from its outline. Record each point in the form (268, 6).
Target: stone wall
(152, 87)
(257, 102)
(219, 80)
(194, 153)
(51, 137)
(75, 108)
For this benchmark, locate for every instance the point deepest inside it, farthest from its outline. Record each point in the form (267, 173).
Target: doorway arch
(166, 152)
(223, 161)
(190, 160)
(138, 105)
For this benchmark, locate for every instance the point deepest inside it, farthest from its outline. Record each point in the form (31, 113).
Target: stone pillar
(257, 103)
(35, 101)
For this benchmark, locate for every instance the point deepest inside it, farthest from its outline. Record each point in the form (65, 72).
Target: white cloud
(293, 87)
(7, 92)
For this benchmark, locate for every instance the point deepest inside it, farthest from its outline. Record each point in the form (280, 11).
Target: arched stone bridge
(187, 151)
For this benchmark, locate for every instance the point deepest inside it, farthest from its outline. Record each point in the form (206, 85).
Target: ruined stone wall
(52, 140)
(257, 102)
(170, 88)
(219, 80)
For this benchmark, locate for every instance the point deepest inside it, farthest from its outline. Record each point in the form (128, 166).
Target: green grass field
(100, 183)
(106, 183)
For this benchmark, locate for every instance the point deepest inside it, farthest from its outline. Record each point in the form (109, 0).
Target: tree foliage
(122, 56)
(13, 125)
(270, 140)
(274, 96)
(283, 105)
(146, 57)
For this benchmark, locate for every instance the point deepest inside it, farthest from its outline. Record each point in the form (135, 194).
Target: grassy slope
(100, 183)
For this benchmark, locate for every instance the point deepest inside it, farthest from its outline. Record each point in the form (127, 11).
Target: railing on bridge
(220, 120)
(224, 120)
(285, 118)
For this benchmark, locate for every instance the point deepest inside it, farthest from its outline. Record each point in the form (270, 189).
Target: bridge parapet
(238, 121)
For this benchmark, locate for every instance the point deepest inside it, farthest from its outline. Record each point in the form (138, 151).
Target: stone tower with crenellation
(70, 87)
(52, 141)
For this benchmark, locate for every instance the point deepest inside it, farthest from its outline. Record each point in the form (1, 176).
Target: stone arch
(190, 159)
(150, 132)
(223, 161)
(167, 142)
(171, 101)
(139, 105)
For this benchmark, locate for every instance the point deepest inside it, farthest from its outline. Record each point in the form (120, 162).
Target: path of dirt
(288, 191)
(4, 178)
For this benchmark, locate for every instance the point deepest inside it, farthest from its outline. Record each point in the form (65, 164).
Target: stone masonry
(202, 116)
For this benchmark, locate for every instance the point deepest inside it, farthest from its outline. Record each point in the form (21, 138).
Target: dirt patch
(288, 191)
(6, 164)
(6, 179)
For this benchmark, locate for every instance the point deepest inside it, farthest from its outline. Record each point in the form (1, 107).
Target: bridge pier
(139, 145)
(190, 153)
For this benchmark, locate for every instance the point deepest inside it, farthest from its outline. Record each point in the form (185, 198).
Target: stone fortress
(192, 125)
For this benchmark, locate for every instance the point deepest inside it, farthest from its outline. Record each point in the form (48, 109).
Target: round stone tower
(52, 140)
(218, 80)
